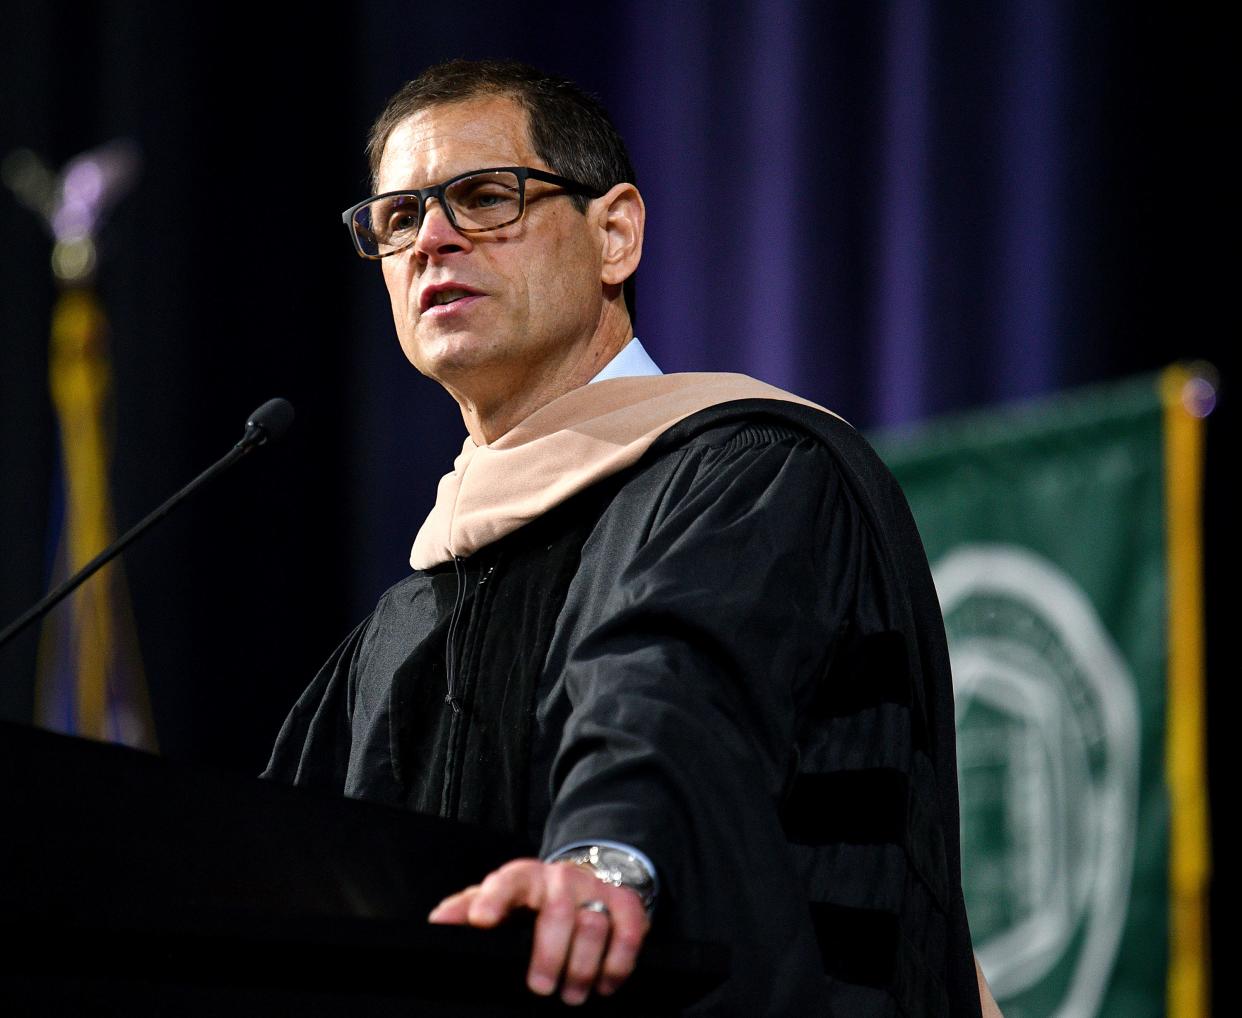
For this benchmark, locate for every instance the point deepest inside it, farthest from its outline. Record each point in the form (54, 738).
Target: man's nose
(436, 235)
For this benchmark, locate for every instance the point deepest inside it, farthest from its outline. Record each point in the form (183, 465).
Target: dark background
(898, 210)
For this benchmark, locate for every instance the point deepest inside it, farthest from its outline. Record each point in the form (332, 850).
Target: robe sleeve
(688, 683)
(314, 743)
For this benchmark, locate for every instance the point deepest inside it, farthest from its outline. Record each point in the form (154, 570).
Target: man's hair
(569, 128)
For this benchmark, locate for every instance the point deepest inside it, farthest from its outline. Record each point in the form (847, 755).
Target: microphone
(267, 424)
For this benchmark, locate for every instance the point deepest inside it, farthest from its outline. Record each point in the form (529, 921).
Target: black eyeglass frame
(437, 191)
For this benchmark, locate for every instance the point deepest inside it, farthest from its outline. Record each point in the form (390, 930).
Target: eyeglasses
(474, 202)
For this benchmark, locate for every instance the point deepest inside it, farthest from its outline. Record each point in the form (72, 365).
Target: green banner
(1048, 528)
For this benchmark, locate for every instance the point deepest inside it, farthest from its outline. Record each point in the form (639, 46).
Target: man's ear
(621, 216)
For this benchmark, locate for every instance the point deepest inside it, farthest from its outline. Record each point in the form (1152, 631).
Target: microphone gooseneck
(268, 423)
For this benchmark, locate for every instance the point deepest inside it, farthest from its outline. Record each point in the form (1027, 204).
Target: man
(678, 630)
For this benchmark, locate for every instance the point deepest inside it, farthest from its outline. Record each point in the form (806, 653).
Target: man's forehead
(441, 141)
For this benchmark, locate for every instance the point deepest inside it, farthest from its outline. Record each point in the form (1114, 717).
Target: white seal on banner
(1048, 757)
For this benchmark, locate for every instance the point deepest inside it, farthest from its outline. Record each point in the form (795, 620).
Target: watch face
(632, 872)
(619, 868)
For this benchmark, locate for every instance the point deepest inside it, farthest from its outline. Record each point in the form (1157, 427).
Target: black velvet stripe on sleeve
(870, 948)
(868, 670)
(868, 806)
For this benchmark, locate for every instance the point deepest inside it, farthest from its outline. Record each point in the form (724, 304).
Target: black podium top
(133, 885)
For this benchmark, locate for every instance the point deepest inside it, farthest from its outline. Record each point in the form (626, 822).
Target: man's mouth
(443, 296)
(447, 297)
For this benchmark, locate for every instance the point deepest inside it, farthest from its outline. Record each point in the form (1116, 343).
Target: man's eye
(490, 199)
(401, 221)
(486, 197)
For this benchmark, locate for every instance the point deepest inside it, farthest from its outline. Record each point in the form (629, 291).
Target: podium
(132, 885)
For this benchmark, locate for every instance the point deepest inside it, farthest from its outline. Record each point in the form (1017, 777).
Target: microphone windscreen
(275, 417)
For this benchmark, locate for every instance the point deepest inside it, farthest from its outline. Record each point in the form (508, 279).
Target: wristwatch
(617, 867)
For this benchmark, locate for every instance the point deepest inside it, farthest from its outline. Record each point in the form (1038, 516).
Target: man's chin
(456, 359)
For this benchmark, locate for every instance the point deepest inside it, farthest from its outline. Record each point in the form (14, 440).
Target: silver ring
(595, 905)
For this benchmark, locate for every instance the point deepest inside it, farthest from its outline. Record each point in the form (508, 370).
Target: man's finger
(516, 884)
(454, 908)
(554, 930)
(629, 927)
(486, 904)
(590, 936)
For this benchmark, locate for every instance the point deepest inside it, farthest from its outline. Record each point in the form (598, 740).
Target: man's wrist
(616, 864)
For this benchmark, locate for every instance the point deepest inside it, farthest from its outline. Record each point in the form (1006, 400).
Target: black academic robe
(730, 655)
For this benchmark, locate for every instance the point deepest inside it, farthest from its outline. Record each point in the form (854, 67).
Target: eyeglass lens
(484, 201)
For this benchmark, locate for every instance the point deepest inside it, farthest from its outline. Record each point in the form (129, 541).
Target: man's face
(532, 291)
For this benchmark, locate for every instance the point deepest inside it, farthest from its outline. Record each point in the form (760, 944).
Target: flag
(1065, 542)
(90, 679)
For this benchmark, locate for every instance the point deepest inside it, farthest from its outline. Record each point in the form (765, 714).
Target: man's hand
(575, 947)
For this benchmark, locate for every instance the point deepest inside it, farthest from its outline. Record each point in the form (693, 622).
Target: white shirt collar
(632, 360)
